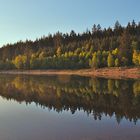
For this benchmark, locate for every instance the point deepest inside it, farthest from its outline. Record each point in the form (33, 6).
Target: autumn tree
(117, 64)
(136, 58)
(58, 51)
(19, 62)
(94, 61)
(110, 60)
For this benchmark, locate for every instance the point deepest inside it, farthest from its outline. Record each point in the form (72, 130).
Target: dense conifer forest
(95, 48)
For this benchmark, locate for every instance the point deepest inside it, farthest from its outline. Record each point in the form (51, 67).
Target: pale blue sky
(29, 19)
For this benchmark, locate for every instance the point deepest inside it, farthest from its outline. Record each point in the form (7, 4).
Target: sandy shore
(115, 73)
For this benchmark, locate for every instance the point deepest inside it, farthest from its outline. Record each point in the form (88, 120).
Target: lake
(68, 108)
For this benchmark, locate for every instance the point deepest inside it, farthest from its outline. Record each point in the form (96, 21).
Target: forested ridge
(95, 48)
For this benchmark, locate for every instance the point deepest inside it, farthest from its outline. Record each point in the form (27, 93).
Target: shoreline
(113, 73)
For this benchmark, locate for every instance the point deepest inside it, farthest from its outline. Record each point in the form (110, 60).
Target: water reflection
(99, 97)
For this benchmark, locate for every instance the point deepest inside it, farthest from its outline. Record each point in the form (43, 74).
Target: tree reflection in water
(119, 98)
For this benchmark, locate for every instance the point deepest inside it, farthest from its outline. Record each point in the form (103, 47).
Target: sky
(31, 19)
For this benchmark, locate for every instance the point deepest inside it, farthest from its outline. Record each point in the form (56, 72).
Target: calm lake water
(68, 108)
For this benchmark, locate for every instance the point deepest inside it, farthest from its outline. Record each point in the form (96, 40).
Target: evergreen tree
(125, 50)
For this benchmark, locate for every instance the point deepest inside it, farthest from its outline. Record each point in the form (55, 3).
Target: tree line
(95, 48)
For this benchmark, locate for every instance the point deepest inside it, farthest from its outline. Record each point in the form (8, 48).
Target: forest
(99, 47)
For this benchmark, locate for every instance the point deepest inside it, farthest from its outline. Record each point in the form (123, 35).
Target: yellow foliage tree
(136, 58)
